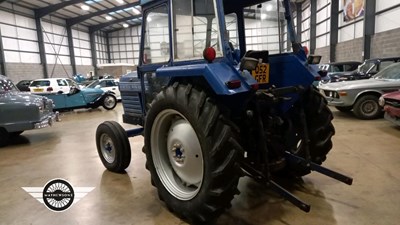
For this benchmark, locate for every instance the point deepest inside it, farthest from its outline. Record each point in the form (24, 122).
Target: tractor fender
(216, 74)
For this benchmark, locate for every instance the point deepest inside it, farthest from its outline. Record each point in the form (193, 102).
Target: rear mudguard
(285, 70)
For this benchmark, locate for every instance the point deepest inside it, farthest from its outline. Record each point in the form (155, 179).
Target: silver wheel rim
(109, 101)
(369, 107)
(177, 154)
(107, 148)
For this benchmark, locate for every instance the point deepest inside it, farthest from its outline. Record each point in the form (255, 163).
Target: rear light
(254, 87)
(233, 84)
(49, 89)
(209, 54)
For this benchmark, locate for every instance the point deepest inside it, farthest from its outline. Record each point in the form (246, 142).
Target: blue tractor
(212, 111)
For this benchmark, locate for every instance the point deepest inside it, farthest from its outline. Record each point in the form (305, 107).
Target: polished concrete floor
(369, 151)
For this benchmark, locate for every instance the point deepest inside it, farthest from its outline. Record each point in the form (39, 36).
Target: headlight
(381, 101)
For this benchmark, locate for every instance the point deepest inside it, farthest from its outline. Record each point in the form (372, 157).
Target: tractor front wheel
(113, 146)
(191, 154)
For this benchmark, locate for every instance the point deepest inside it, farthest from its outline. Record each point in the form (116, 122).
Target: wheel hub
(107, 148)
(178, 153)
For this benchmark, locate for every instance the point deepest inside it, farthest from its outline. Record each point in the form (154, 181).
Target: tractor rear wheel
(191, 154)
(320, 131)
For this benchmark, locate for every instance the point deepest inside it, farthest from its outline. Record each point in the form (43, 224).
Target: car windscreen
(390, 72)
(93, 84)
(40, 83)
(7, 85)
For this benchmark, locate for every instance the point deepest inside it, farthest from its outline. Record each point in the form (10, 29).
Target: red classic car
(391, 104)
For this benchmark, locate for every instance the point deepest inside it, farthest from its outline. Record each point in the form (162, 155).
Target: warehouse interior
(43, 39)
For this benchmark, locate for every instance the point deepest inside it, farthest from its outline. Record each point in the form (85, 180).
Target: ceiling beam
(1, 1)
(103, 25)
(39, 13)
(123, 28)
(79, 19)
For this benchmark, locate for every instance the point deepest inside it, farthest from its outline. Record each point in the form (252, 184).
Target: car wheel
(344, 108)
(191, 154)
(109, 102)
(4, 137)
(113, 146)
(367, 107)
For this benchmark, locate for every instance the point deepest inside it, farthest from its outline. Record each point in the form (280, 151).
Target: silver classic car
(362, 96)
(20, 111)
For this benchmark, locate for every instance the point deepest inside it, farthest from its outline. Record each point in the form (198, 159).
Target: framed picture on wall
(353, 9)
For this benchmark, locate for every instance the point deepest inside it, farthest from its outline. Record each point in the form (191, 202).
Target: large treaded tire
(320, 130)
(113, 146)
(219, 152)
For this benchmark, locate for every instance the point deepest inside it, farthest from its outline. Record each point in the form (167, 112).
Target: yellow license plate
(38, 90)
(261, 73)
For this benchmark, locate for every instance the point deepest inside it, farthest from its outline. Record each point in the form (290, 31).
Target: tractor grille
(131, 103)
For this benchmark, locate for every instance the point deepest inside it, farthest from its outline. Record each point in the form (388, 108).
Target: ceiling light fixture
(125, 25)
(108, 18)
(85, 7)
(136, 11)
(269, 7)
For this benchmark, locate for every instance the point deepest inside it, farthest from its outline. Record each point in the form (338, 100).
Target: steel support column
(71, 49)
(241, 33)
(313, 26)
(334, 30)
(42, 51)
(92, 37)
(369, 27)
(2, 58)
(108, 47)
(299, 18)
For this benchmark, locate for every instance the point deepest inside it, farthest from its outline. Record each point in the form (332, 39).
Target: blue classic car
(83, 98)
(20, 111)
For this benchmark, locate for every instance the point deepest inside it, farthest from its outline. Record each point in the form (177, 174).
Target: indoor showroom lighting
(269, 7)
(85, 7)
(108, 18)
(125, 25)
(136, 11)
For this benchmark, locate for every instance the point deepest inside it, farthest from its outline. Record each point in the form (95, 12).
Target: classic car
(369, 68)
(107, 85)
(362, 96)
(336, 69)
(20, 111)
(51, 85)
(391, 105)
(23, 85)
(82, 98)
